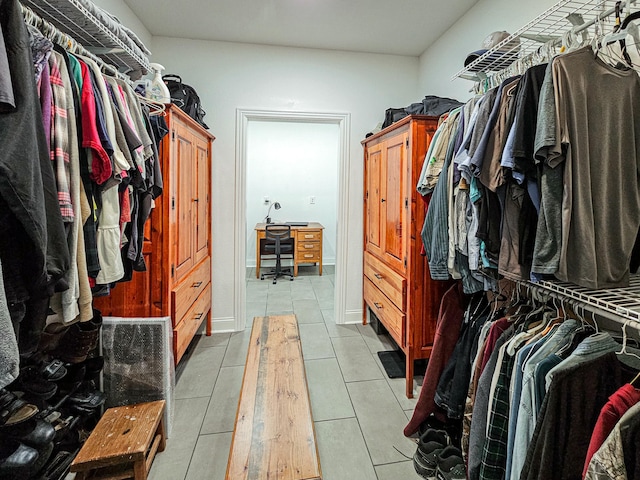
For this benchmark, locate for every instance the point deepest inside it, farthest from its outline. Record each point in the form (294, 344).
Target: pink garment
(621, 401)
(101, 169)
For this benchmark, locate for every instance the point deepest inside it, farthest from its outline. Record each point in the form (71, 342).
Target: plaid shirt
(59, 148)
(494, 453)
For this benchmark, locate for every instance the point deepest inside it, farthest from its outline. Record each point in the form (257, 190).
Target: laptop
(297, 224)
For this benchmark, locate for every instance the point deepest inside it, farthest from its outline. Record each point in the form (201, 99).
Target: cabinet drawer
(306, 235)
(308, 247)
(188, 325)
(183, 296)
(392, 318)
(308, 256)
(389, 282)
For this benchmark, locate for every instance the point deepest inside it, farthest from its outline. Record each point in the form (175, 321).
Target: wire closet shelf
(74, 19)
(549, 29)
(577, 17)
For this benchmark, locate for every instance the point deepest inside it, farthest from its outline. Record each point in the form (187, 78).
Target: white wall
(446, 57)
(229, 76)
(288, 162)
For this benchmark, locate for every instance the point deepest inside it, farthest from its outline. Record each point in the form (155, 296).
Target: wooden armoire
(397, 287)
(177, 240)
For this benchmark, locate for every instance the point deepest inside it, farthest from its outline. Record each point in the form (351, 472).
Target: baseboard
(223, 325)
(353, 317)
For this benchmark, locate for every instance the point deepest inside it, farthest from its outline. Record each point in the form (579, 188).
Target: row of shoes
(48, 412)
(437, 458)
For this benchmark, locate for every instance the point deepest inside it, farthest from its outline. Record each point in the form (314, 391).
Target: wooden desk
(307, 245)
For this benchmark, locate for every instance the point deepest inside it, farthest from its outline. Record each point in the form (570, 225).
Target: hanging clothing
(450, 316)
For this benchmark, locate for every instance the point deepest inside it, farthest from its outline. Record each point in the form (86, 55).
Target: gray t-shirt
(546, 252)
(7, 102)
(599, 142)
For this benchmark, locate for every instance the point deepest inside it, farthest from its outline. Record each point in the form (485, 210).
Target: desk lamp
(275, 205)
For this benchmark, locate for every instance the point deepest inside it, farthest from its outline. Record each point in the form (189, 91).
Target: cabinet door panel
(372, 200)
(201, 210)
(184, 203)
(394, 211)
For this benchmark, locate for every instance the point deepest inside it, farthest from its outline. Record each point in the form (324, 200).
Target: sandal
(14, 410)
(88, 400)
(54, 370)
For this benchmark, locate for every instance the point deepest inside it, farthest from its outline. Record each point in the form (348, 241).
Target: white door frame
(243, 117)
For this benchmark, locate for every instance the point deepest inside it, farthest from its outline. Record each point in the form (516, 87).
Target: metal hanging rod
(617, 304)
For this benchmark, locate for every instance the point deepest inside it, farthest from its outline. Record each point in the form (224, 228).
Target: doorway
(326, 200)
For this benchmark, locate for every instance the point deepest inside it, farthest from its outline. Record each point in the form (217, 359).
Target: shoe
(17, 461)
(430, 445)
(87, 401)
(80, 339)
(34, 432)
(14, 410)
(31, 382)
(51, 336)
(58, 467)
(450, 465)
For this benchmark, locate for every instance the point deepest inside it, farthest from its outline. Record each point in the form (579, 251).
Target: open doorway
(299, 160)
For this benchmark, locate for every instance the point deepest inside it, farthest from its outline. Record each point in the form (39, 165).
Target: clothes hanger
(623, 350)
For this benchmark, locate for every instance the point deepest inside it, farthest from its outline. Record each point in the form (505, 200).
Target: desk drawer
(307, 235)
(392, 318)
(308, 246)
(389, 282)
(312, 256)
(183, 296)
(187, 326)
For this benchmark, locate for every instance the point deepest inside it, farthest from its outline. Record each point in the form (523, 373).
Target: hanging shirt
(574, 400)
(599, 143)
(611, 413)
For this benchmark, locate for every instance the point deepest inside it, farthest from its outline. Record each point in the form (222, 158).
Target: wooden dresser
(177, 240)
(397, 286)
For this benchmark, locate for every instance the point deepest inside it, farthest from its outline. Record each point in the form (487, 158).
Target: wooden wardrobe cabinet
(177, 239)
(397, 285)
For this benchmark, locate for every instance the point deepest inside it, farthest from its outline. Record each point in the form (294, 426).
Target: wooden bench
(123, 444)
(274, 437)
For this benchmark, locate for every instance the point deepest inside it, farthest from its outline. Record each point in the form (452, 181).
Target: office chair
(278, 242)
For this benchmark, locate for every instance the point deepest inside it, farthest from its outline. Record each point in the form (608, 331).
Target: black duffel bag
(185, 97)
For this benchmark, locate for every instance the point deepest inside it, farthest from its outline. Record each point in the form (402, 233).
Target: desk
(307, 245)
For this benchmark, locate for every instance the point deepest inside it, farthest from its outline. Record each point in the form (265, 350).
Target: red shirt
(621, 401)
(101, 163)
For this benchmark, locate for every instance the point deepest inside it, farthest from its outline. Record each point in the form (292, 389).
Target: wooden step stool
(123, 444)
(274, 438)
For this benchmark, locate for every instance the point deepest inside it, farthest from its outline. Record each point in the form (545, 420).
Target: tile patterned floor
(359, 413)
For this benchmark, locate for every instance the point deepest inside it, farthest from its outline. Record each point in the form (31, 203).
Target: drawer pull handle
(308, 236)
(308, 255)
(378, 305)
(198, 316)
(309, 245)
(196, 284)
(378, 276)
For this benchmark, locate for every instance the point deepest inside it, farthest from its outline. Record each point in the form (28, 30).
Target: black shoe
(17, 461)
(430, 445)
(33, 432)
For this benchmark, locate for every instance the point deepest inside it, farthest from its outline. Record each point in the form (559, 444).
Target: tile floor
(359, 413)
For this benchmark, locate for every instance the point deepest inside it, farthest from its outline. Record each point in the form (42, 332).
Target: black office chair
(278, 242)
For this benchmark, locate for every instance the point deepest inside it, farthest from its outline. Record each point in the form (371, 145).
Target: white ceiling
(401, 27)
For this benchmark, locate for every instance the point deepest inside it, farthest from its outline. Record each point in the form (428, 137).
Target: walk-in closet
(319, 240)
